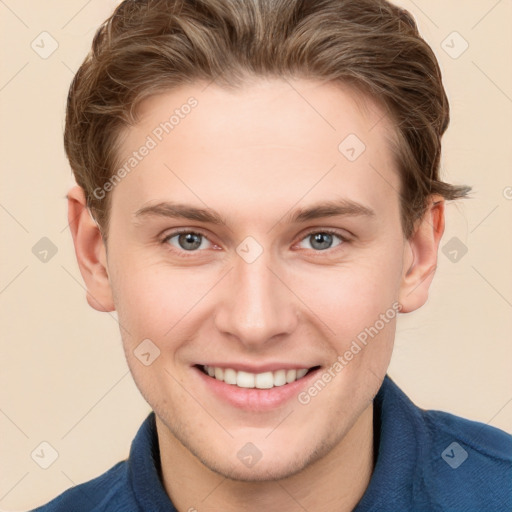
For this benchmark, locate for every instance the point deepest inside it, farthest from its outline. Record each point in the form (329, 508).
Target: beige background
(63, 376)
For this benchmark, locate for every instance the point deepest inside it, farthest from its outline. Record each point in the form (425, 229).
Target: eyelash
(188, 254)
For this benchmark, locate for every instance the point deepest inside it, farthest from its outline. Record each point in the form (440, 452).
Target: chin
(270, 470)
(275, 466)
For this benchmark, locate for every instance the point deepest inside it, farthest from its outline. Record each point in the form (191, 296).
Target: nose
(257, 305)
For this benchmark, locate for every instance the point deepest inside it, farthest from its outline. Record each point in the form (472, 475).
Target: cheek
(151, 298)
(352, 296)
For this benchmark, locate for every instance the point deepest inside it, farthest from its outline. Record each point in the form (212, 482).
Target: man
(259, 198)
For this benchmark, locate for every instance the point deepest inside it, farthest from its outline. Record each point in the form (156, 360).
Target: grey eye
(322, 240)
(187, 241)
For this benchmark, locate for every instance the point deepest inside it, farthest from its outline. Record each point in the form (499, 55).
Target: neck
(334, 483)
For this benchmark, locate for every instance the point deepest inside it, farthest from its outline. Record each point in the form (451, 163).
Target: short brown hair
(149, 46)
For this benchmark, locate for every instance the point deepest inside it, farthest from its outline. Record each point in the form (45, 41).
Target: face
(253, 238)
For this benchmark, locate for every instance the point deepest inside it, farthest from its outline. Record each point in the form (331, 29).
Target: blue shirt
(425, 461)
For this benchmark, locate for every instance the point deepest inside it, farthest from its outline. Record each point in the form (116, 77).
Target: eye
(322, 240)
(186, 240)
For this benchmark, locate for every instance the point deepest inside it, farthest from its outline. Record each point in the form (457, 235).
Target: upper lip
(259, 368)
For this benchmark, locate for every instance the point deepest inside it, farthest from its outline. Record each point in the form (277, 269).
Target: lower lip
(253, 398)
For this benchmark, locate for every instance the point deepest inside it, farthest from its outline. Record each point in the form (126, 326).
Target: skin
(254, 155)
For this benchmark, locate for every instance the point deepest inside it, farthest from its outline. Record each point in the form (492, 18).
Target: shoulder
(488, 442)
(108, 492)
(432, 460)
(468, 464)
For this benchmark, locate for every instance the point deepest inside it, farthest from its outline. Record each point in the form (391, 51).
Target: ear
(90, 251)
(420, 256)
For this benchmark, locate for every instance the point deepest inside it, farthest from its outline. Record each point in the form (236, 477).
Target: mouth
(248, 380)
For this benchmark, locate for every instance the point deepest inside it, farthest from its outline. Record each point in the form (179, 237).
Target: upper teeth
(264, 380)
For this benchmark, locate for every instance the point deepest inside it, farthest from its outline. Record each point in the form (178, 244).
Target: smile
(265, 380)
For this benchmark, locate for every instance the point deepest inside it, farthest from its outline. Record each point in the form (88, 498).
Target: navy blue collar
(145, 469)
(400, 441)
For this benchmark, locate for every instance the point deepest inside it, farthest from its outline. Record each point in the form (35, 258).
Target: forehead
(280, 140)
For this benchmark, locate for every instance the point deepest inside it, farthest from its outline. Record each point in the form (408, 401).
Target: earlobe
(420, 256)
(90, 251)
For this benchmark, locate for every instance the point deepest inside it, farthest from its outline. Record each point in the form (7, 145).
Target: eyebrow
(174, 210)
